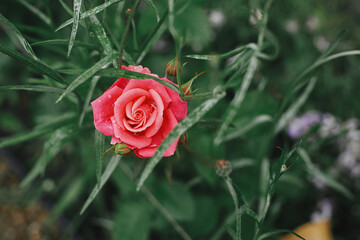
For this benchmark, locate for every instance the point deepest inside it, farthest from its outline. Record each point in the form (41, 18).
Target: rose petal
(178, 106)
(128, 110)
(159, 118)
(171, 122)
(120, 104)
(150, 84)
(137, 103)
(115, 140)
(147, 124)
(103, 109)
(128, 138)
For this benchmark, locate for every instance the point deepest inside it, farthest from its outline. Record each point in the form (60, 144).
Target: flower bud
(171, 67)
(223, 168)
(122, 149)
(128, 11)
(283, 168)
(186, 87)
(183, 139)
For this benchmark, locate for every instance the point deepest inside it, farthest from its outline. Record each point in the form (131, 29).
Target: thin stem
(236, 203)
(127, 27)
(151, 198)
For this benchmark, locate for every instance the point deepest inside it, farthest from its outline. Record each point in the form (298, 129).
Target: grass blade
(93, 83)
(34, 88)
(19, 36)
(52, 147)
(289, 114)
(37, 132)
(238, 99)
(77, 7)
(37, 12)
(35, 65)
(331, 48)
(102, 37)
(329, 181)
(151, 3)
(269, 234)
(89, 13)
(99, 150)
(117, 73)
(243, 129)
(86, 75)
(183, 125)
(67, 9)
(64, 42)
(114, 161)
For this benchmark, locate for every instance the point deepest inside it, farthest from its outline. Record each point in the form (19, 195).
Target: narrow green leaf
(271, 233)
(35, 65)
(67, 9)
(183, 125)
(89, 13)
(223, 55)
(117, 73)
(64, 42)
(243, 129)
(86, 75)
(52, 147)
(156, 11)
(150, 38)
(71, 71)
(36, 12)
(291, 112)
(250, 212)
(77, 7)
(102, 37)
(333, 45)
(35, 88)
(20, 37)
(114, 161)
(230, 231)
(99, 150)
(238, 99)
(316, 172)
(93, 83)
(36, 132)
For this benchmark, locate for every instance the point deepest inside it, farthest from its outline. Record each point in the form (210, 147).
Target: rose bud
(171, 67)
(122, 149)
(139, 113)
(186, 87)
(223, 168)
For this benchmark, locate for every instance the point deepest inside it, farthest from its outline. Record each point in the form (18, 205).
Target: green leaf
(155, 33)
(93, 83)
(271, 233)
(293, 109)
(64, 42)
(117, 73)
(316, 172)
(71, 71)
(99, 150)
(243, 129)
(333, 45)
(238, 99)
(52, 147)
(89, 13)
(250, 212)
(230, 231)
(183, 125)
(37, 12)
(67, 9)
(156, 11)
(114, 161)
(77, 7)
(21, 38)
(102, 37)
(35, 88)
(87, 74)
(39, 67)
(37, 132)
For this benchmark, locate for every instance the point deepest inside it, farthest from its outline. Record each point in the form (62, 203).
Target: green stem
(236, 204)
(127, 27)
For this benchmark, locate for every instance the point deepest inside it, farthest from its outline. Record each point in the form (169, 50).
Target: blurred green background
(185, 184)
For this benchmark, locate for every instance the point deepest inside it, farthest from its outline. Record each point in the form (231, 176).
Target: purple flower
(300, 125)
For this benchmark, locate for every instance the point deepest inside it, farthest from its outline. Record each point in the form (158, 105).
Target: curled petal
(120, 104)
(177, 106)
(103, 109)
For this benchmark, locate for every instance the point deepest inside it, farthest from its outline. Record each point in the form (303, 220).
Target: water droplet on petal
(109, 96)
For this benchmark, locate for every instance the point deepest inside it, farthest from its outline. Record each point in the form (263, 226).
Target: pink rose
(139, 113)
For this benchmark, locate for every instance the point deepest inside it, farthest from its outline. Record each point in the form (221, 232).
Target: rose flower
(139, 113)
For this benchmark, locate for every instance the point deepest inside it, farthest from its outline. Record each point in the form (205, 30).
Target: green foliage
(263, 66)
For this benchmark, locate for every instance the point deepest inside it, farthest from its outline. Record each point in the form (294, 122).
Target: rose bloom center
(140, 114)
